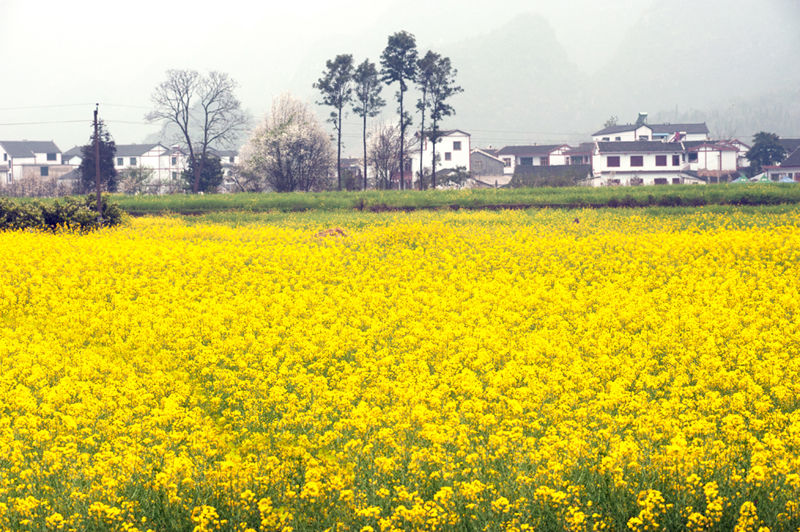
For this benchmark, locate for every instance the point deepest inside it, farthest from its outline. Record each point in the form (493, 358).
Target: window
(676, 160)
(544, 161)
(119, 161)
(44, 171)
(612, 160)
(230, 159)
(637, 160)
(174, 175)
(174, 161)
(661, 160)
(5, 156)
(456, 145)
(693, 157)
(507, 162)
(448, 156)
(617, 138)
(133, 161)
(661, 181)
(676, 180)
(526, 161)
(606, 139)
(644, 137)
(52, 157)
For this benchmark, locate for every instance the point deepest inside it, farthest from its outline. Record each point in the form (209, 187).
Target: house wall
(600, 163)
(481, 165)
(713, 160)
(443, 146)
(642, 179)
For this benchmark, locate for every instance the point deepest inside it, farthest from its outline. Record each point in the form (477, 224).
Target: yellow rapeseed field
(427, 371)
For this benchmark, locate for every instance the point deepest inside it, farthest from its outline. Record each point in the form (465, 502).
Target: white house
(536, 155)
(73, 156)
(641, 130)
(452, 152)
(30, 159)
(165, 163)
(640, 163)
(715, 160)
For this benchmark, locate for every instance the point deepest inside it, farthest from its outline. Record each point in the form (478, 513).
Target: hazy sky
(60, 57)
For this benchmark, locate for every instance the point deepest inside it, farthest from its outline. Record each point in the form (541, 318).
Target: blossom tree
(289, 150)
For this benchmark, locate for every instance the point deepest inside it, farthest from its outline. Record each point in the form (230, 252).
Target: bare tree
(290, 149)
(203, 107)
(383, 153)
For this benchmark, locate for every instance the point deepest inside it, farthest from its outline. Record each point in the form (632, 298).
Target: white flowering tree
(289, 150)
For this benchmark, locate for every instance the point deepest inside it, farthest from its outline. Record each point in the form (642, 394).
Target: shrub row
(70, 213)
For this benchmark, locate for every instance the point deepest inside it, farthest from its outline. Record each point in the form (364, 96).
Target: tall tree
(766, 150)
(383, 149)
(367, 102)
(426, 67)
(204, 109)
(399, 64)
(336, 86)
(108, 173)
(442, 88)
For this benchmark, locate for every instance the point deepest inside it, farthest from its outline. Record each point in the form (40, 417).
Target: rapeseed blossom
(429, 371)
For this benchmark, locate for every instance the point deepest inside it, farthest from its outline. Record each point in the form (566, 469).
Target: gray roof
(27, 148)
(643, 146)
(524, 151)
(656, 128)
(134, 150)
(582, 148)
(793, 160)
(701, 128)
(73, 152)
(789, 145)
(610, 130)
(225, 153)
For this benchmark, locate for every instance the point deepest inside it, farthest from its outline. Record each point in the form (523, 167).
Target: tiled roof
(524, 151)
(789, 145)
(134, 150)
(27, 148)
(656, 128)
(644, 146)
(793, 160)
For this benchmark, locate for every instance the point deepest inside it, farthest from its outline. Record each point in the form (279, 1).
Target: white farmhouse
(641, 130)
(536, 155)
(165, 163)
(717, 161)
(452, 152)
(640, 163)
(30, 159)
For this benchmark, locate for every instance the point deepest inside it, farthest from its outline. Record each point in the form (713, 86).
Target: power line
(26, 107)
(44, 123)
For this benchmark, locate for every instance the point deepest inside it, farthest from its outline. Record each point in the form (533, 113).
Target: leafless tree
(200, 106)
(383, 152)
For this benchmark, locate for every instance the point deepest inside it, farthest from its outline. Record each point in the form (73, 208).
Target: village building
(642, 162)
(22, 159)
(452, 152)
(788, 170)
(535, 155)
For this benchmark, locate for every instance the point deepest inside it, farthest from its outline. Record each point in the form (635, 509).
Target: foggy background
(532, 72)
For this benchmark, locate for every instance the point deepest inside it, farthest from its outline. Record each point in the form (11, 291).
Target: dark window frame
(661, 160)
(613, 161)
(637, 161)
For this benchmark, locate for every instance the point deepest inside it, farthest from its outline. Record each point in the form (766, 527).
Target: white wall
(600, 162)
(444, 146)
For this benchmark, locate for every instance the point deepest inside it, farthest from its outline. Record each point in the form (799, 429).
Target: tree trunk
(421, 139)
(402, 138)
(339, 149)
(433, 160)
(364, 140)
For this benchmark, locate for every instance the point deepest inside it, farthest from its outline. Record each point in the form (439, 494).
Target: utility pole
(97, 166)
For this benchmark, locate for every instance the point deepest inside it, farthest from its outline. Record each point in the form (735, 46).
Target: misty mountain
(720, 60)
(520, 85)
